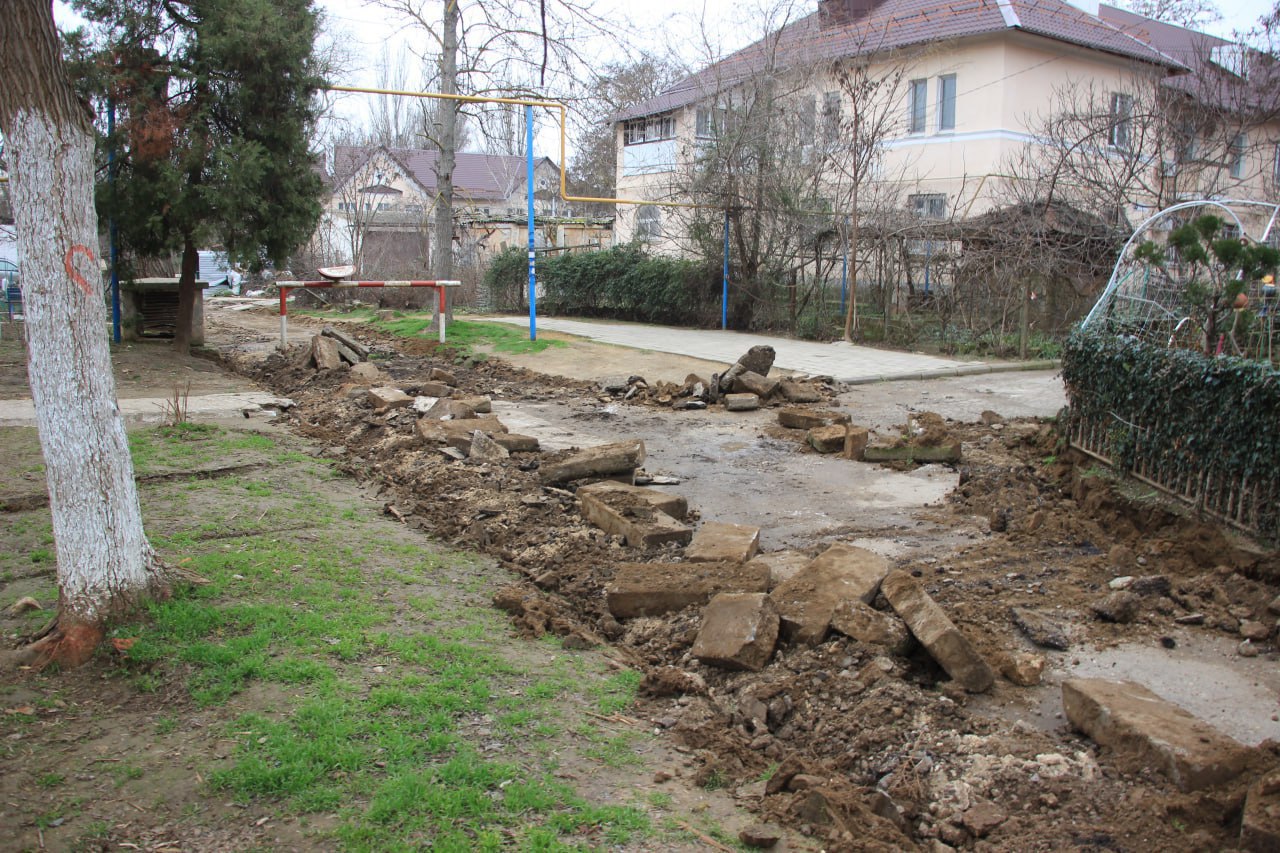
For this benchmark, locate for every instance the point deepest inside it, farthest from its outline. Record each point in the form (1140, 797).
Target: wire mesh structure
(1150, 302)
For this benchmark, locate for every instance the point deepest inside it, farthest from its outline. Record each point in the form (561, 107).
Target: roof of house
(1209, 81)
(897, 24)
(478, 177)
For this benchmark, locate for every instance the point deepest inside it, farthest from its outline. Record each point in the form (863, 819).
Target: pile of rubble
(848, 676)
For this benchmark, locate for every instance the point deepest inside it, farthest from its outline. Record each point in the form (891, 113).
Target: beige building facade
(973, 108)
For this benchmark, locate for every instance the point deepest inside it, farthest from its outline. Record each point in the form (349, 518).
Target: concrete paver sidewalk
(846, 362)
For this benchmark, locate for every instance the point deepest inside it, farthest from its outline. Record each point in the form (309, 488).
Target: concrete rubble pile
(772, 618)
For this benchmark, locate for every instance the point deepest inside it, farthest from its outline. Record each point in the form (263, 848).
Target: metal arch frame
(1105, 301)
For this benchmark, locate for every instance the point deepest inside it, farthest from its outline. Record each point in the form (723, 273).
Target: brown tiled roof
(898, 24)
(1207, 82)
(476, 177)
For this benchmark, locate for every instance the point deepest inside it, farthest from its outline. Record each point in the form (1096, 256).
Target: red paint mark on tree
(68, 261)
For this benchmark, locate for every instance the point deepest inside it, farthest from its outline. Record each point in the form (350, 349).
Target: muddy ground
(886, 752)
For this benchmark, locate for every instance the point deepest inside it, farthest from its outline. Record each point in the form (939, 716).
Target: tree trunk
(187, 289)
(105, 564)
(442, 251)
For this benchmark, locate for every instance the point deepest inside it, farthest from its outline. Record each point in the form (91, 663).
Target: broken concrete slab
(827, 439)
(1130, 719)
(324, 353)
(607, 490)
(855, 443)
(798, 392)
(652, 589)
(741, 402)
(485, 448)
(601, 461)
(1025, 669)
(636, 520)
(807, 601)
(859, 620)
(947, 452)
(758, 359)
(386, 397)
(718, 540)
(750, 382)
(1260, 823)
(937, 633)
(435, 389)
(1041, 629)
(441, 432)
(479, 404)
(366, 373)
(347, 341)
(739, 631)
(810, 418)
(439, 374)
(782, 565)
(447, 409)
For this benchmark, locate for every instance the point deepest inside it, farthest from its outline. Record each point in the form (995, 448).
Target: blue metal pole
(111, 223)
(844, 267)
(724, 279)
(533, 272)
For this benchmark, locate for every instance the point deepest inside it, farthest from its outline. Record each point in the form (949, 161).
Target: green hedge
(622, 283)
(1201, 413)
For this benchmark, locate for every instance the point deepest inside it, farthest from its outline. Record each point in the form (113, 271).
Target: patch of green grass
(126, 773)
(617, 692)
(379, 685)
(468, 337)
(51, 780)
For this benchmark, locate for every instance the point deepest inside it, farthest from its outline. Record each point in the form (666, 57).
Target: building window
(708, 122)
(1121, 120)
(1275, 169)
(947, 102)
(928, 205)
(1238, 146)
(1186, 141)
(807, 119)
(831, 117)
(649, 129)
(917, 103)
(648, 222)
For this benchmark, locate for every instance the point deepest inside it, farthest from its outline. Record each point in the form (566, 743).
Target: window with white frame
(649, 129)
(1238, 147)
(928, 205)
(708, 122)
(947, 102)
(830, 117)
(1121, 130)
(1275, 168)
(917, 104)
(648, 222)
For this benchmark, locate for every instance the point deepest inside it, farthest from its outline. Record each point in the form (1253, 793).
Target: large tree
(105, 565)
(216, 102)
(507, 48)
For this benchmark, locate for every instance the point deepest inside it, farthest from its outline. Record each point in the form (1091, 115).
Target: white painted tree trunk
(105, 564)
(104, 560)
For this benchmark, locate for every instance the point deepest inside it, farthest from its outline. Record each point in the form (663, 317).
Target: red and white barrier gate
(287, 286)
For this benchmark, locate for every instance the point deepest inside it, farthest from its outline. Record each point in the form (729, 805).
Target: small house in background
(379, 212)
